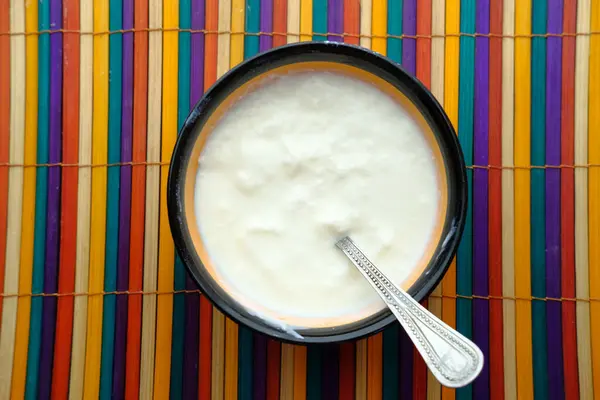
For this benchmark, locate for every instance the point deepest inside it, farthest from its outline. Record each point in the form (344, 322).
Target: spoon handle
(453, 359)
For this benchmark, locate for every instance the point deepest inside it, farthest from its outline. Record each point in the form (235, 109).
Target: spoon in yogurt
(453, 359)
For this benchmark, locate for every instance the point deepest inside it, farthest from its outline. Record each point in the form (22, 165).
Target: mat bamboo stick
(582, 54)
(306, 20)
(15, 196)
(451, 80)
(4, 134)
(166, 250)
(80, 305)
(220, 359)
(29, 187)
(286, 389)
(293, 21)
(136, 267)
(594, 190)
(508, 215)
(434, 389)
(69, 209)
(155, 54)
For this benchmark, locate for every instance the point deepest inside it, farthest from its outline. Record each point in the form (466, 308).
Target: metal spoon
(453, 359)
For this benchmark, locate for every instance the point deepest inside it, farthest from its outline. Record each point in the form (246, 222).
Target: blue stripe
(41, 190)
(464, 270)
(112, 197)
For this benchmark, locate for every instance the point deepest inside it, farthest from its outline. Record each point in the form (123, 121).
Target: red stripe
(138, 201)
(495, 204)
(347, 371)
(273, 369)
(68, 228)
(567, 200)
(4, 133)
(279, 22)
(210, 76)
(352, 20)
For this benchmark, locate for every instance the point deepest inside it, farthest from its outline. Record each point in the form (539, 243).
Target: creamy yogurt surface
(294, 165)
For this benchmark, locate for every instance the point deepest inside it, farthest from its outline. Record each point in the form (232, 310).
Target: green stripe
(252, 26)
(464, 278)
(245, 343)
(112, 197)
(319, 20)
(394, 45)
(538, 216)
(391, 362)
(313, 372)
(183, 109)
(41, 188)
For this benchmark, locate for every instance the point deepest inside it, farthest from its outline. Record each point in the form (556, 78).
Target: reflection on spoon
(453, 359)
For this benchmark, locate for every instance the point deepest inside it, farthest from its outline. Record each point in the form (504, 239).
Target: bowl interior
(318, 57)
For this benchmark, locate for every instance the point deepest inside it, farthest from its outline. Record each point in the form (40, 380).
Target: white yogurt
(298, 163)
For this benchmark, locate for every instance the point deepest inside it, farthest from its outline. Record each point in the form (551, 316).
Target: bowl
(314, 56)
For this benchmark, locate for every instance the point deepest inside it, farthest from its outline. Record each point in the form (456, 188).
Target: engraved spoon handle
(453, 359)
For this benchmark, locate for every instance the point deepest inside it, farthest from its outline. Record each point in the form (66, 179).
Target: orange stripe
(4, 133)
(273, 365)
(299, 373)
(567, 201)
(138, 200)
(495, 204)
(374, 367)
(279, 22)
(352, 20)
(424, 75)
(347, 371)
(210, 76)
(70, 175)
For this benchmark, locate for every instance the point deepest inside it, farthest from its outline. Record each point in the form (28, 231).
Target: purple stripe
(330, 372)
(409, 63)
(405, 387)
(409, 45)
(553, 281)
(197, 52)
(53, 212)
(266, 24)
(192, 301)
(481, 317)
(259, 370)
(191, 335)
(118, 388)
(335, 18)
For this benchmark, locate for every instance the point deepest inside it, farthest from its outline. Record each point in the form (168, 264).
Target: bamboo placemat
(95, 302)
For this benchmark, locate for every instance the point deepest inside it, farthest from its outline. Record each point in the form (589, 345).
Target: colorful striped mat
(95, 302)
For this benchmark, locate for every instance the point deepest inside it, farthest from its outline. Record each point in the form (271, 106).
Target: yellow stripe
(148, 345)
(83, 201)
(98, 217)
(25, 273)
(236, 56)
(379, 44)
(434, 389)
(582, 288)
(522, 199)
(594, 189)
(238, 8)
(306, 18)
(166, 250)
(15, 195)
(508, 207)
(451, 66)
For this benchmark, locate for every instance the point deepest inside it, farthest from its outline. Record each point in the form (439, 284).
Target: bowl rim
(424, 101)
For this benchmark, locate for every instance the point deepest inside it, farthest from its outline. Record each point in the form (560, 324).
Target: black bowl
(419, 102)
